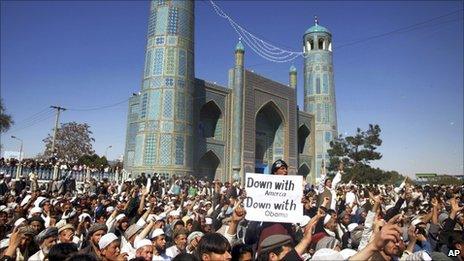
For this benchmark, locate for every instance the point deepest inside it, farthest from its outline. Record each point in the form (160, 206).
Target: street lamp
(18, 170)
(106, 151)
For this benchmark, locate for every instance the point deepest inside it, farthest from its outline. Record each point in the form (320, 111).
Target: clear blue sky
(90, 54)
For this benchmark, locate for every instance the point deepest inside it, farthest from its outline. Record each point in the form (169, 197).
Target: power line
(99, 107)
(399, 30)
(38, 120)
(34, 115)
(405, 29)
(32, 118)
(273, 53)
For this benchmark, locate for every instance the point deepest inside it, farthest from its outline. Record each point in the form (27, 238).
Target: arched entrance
(303, 133)
(211, 121)
(269, 140)
(303, 170)
(208, 165)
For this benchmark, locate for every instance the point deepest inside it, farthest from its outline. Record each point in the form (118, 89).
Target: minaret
(319, 89)
(160, 122)
(237, 111)
(292, 77)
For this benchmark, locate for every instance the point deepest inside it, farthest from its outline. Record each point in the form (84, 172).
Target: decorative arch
(208, 165)
(304, 170)
(269, 136)
(303, 133)
(211, 120)
(272, 105)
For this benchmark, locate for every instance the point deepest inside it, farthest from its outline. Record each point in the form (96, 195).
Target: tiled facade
(182, 125)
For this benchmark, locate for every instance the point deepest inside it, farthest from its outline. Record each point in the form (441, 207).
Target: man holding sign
(273, 202)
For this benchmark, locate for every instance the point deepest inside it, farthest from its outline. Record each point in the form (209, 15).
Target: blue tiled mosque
(179, 124)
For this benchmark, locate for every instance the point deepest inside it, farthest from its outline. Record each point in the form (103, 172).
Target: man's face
(274, 257)
(101, 220)
(207, 228)
(3, 218)
(328, 183)
(391, 249)
(96, 236)
(215, 256)
(36, 225)
(25, 241)
(281, 171)
(46, 207)
(346, 219)
(178, 226)
(146, 252)
(181, 241)
(190, 227)
(111, 252)
(48, 243)
(332, 224)
(160, 243)
(124, 225)
(66, 236)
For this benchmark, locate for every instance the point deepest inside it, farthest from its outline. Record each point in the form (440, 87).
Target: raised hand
(395, 219)
(412, 233)
(145, 191)
(326, 201)
(238, 214)
(389, 232)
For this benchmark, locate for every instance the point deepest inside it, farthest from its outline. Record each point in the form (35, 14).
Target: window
(325, 83)
(318, 85)
(326, 113)
(328, 136)
(144, 105)
(321, 44)
(310, 85)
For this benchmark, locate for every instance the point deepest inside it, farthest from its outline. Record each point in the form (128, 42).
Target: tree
(356, 150)
(5, 119)
(73, 140)
(356, 153)
(93, 161)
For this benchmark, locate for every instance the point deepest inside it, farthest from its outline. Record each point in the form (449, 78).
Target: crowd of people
(185, 218)
(52, 163)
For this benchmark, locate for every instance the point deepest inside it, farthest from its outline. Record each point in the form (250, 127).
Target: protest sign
(273, 198)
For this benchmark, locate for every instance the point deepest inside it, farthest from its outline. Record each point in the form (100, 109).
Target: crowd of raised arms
(186, 218)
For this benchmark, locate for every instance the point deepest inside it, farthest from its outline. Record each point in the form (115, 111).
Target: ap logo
(455, 252)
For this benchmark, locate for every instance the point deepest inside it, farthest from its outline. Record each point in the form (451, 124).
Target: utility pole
(58, 109)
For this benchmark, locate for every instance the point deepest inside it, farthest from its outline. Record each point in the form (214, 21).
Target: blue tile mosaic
(158, 62)
(165, 149)
(179, 150)
(168, 104)
(182, 62)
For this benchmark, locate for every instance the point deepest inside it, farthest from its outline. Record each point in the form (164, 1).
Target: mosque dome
(316, 28)
(292, 68)
(239, 46)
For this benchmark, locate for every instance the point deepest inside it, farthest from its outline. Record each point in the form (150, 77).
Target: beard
(160, 249)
